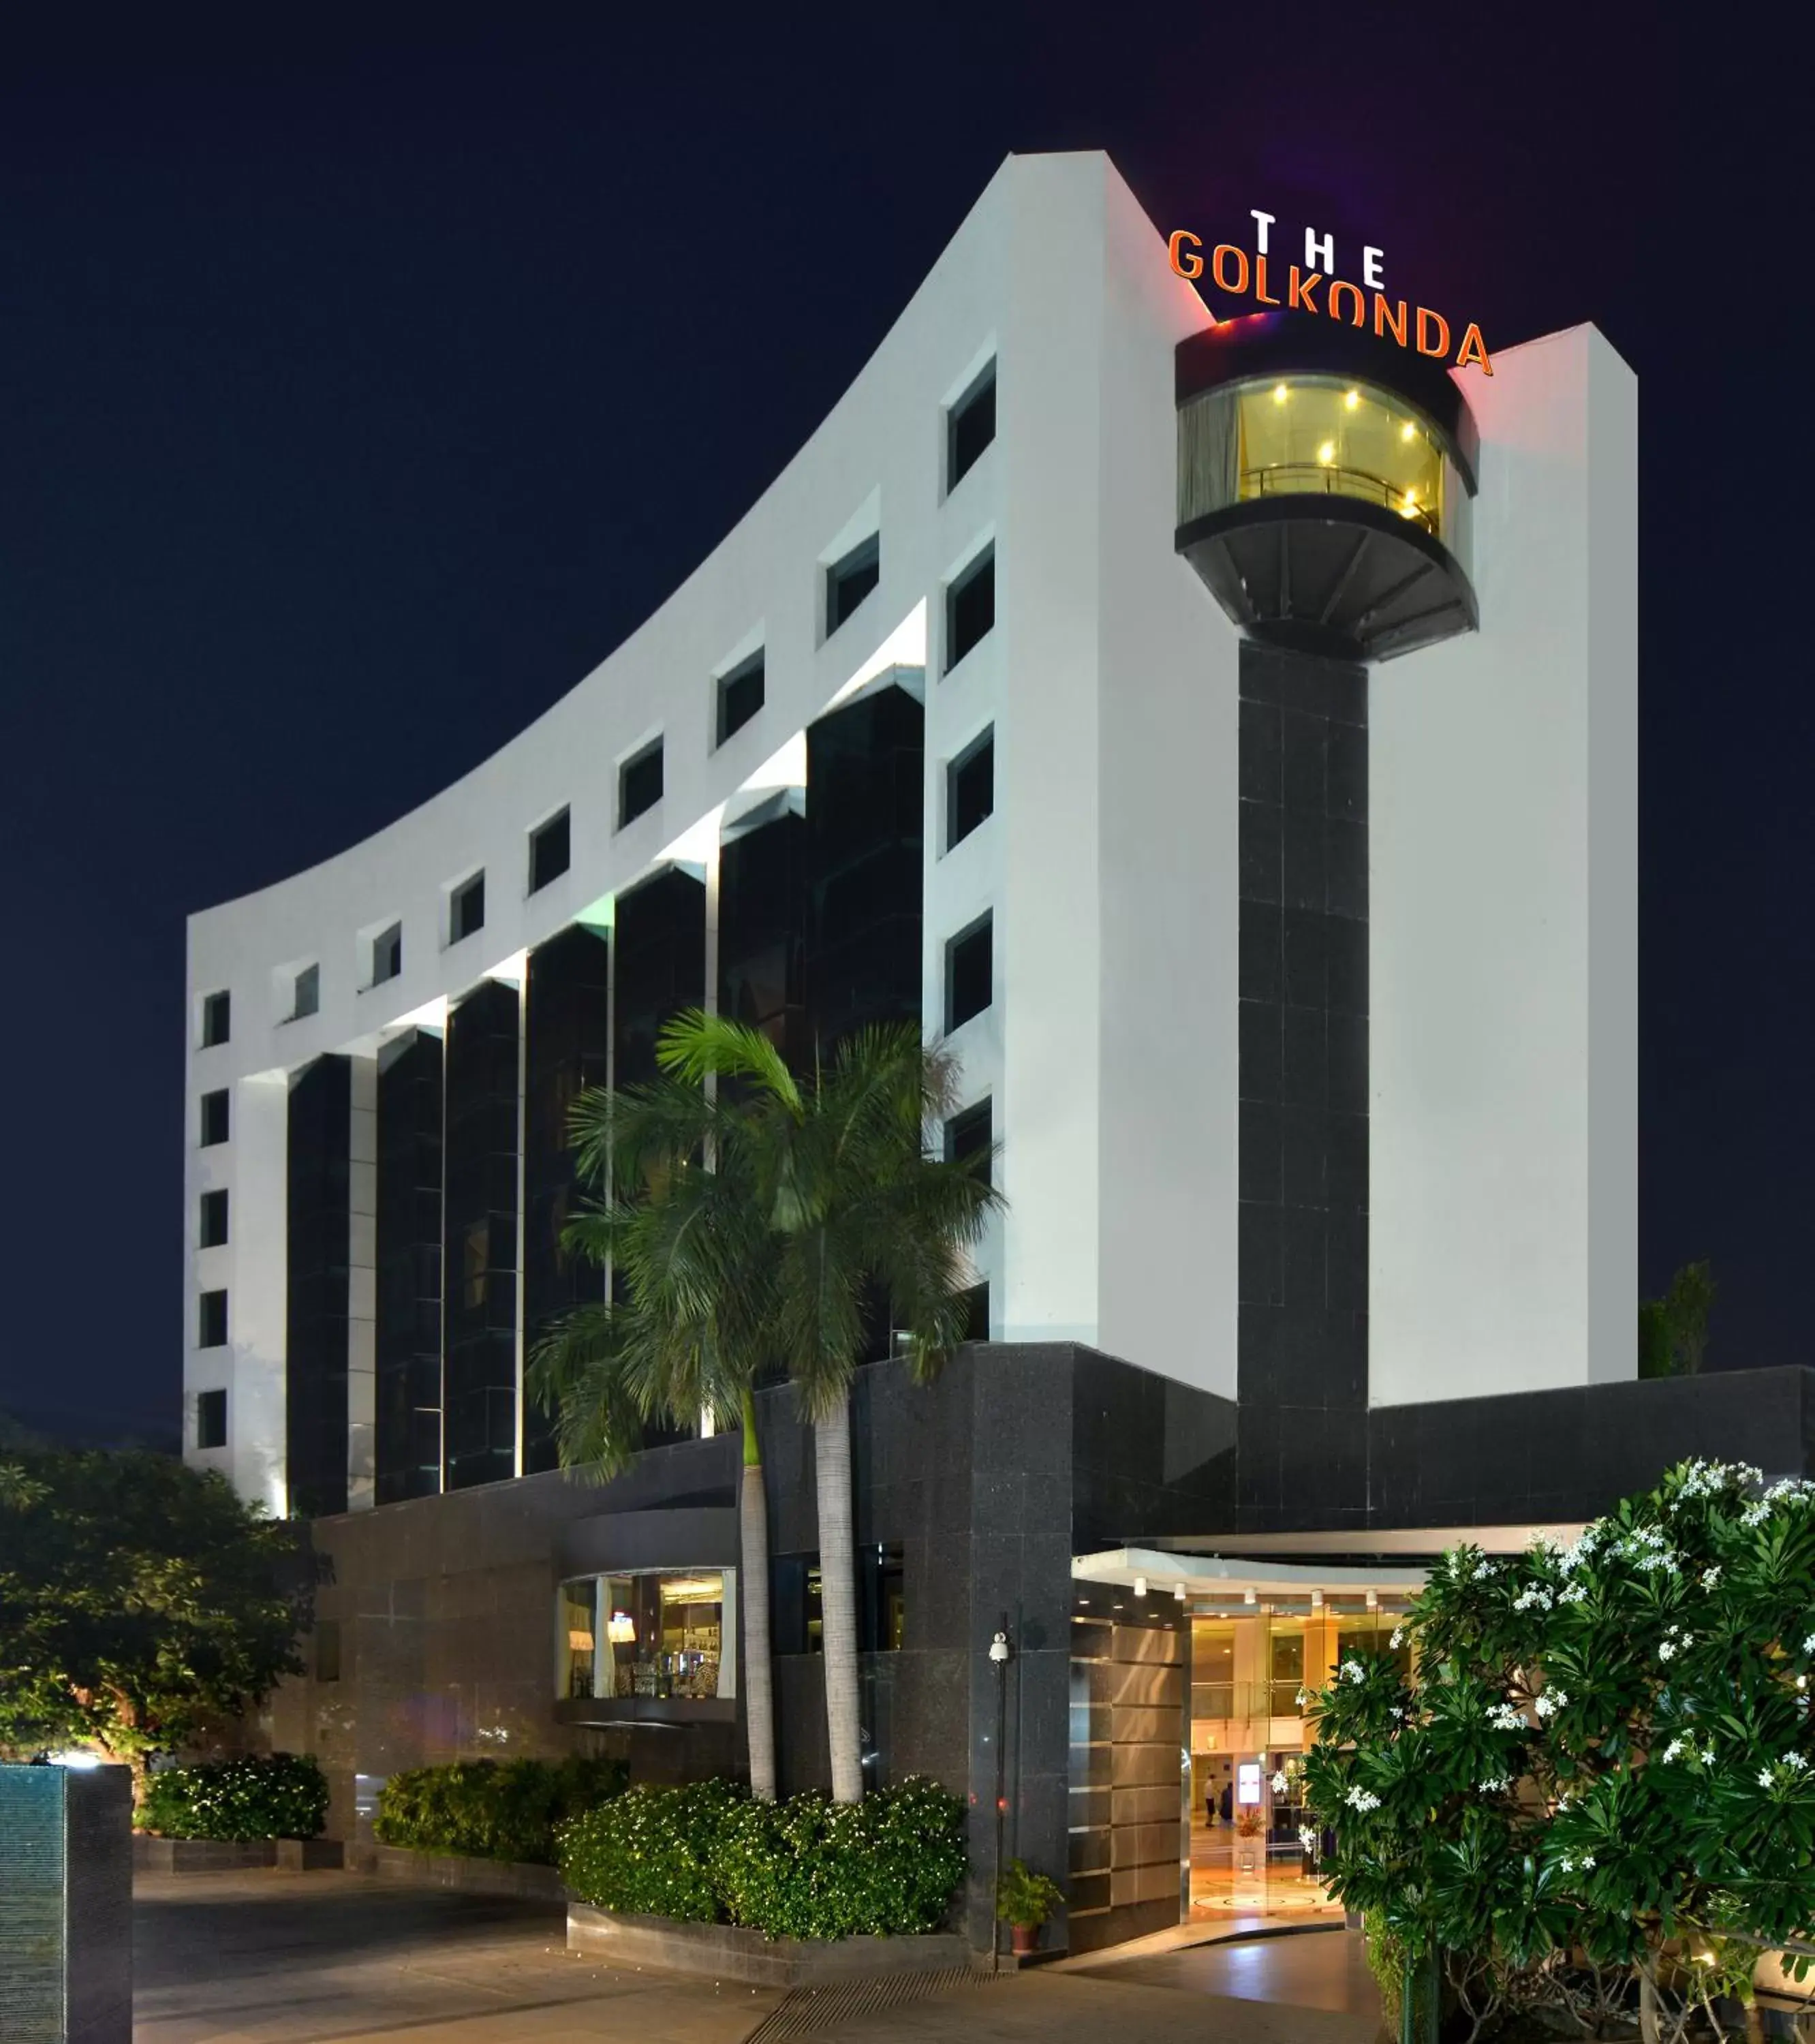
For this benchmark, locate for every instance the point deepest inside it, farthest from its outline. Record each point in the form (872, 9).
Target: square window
(970, 788)
(307, 993)
(970, 427)
(214, 1231)
(968, 1137)
(739, 695)
(211, 1420)
(549, 852)
(639, 784)
(465, 909)
(213, 1118)
(970, 607)
(387, 953)
(217, 1018)
(211, 1321)
(968, 974)
(848, 581)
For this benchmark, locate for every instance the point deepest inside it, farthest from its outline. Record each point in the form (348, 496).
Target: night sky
(360, 392)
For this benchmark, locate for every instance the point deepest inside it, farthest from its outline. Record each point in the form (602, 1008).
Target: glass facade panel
(848, 581)
(661, 1634)
(970, 426)
(763, 904)
(576, 1645)
(407, 1337)
(317, 1224)
(479, 1238)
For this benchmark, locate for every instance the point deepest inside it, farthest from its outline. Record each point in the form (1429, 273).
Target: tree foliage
(141, 1602)
(1673, 1331)
(1599, 1784)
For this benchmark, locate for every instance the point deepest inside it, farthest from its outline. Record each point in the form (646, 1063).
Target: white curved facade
(1108, 866)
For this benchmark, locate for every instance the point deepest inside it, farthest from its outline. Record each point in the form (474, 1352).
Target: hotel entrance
(1260, 1638)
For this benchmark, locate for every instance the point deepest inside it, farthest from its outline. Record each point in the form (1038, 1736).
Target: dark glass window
(211, 1328)
(739, 695)
(968, 974)
(639, 784)
(798, 1625)
(970, 427)
(848, 581)
(977, 1313)
(213, 1118)
(306, 994)
(968, 1137)
(327, 1649)
(466, 911)
(970, 788)
(549, 852)
(213, 1219)
(387, 953)
(970, 607)
(211, 1420)
(217, 1018)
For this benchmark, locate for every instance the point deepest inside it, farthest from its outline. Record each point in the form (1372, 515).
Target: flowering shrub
(1599, 1788)
(807, 1868)
(275, 1795)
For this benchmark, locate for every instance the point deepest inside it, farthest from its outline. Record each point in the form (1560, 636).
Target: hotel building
(1225, 738)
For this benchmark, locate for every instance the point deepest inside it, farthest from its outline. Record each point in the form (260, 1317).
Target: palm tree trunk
(838, 1600)
(758, 1665)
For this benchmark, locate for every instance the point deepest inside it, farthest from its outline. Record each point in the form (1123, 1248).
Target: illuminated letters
(1474, 349)
(1320, 251)
(1370, 274)
(1260, 282)
(1218, 266)
(1183, 265)
(1337, 287)
(1442, 324)
(1301, 288)
(1262, 222)
(1385, 323)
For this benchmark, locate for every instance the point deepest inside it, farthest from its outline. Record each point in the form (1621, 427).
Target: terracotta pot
(1023, 1938)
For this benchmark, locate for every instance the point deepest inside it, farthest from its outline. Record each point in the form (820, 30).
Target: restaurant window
(576, 1643)
(656, 1635)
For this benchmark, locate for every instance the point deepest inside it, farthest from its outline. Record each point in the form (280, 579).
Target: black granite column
(407, 1338)
(1301, 1329)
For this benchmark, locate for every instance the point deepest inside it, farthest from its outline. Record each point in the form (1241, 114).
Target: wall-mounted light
(1373, 1600)
(999, 1648)
(1251, 1597)
(1316, 1600)
(1140, 1586)
(1178, 1591)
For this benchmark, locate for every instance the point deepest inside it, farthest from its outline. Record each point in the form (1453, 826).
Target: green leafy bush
(807, 1868)
(280, 1796)
(1600, 1783)
(487, 1809)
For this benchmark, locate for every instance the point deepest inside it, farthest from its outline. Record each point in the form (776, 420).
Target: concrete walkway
(274, 1958)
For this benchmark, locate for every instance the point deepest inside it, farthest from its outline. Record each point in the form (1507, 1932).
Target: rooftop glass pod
(1324, 508)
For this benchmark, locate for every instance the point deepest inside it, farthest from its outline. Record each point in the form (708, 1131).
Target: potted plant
(1024, 1901)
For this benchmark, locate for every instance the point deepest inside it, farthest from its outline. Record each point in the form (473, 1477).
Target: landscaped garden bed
(223, 1815)
(705, 1879)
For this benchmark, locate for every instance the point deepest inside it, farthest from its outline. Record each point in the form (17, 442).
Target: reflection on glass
(577, 1639)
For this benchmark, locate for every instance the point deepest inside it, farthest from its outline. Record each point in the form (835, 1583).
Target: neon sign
(1233, 271)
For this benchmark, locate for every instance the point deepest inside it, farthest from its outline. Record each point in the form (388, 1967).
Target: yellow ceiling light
(1278, 394)
(1326, 454)
(1408, 431)
(1352, 399)
(1411, 507)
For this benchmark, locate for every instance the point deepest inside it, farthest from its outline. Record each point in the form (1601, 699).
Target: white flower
(1491, 1783)
(1666, 1650)
(1304, 1697)
(1535, 1594)
(1764, 1777)
(1482, 1571)
(1808, 1644)
(1587, 1862)
(1506, 1717)
(1362, 1799)
(1353, 1671)
(1673, 1750)
(1794, 1762)
(1573, 1593)
(1307, 1838)
(1280, 1784)
(1551, 1702)
(1708, 1755)
(1710, 1578)
(1399, 1639)
(1566, 1864)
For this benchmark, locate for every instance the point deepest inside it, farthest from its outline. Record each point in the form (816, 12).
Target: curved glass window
(1318, 436)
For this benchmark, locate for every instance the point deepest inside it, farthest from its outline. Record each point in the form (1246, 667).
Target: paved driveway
(274, 1958)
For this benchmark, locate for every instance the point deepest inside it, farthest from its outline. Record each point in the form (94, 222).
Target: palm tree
(854, 1206)
(688, 1334)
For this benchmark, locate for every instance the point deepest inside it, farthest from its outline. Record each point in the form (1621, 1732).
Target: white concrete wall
(1503, 903)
